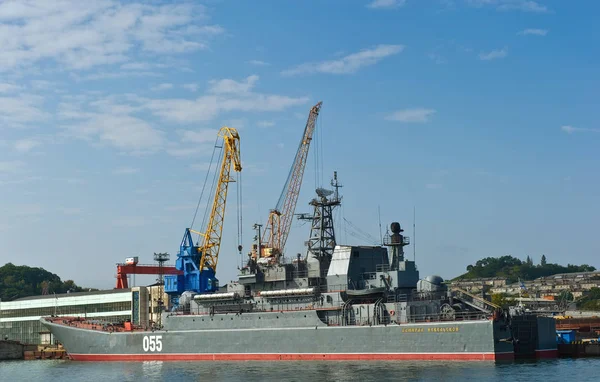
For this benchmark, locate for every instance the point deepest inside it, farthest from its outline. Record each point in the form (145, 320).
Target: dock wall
(10, 350)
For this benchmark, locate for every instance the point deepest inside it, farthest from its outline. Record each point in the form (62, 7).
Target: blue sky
(481, 114)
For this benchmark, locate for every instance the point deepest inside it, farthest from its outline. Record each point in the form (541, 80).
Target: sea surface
(576, 370)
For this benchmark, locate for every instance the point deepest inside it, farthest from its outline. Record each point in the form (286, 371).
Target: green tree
(513, 269)
(565, 295)
(502, 300)
(23, 281)
(591, 301)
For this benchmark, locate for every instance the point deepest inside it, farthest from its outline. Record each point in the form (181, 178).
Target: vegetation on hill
(590, 301)
(23, 281)
(514, 269)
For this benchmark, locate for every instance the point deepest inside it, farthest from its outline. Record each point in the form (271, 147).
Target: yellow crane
(199, 263)
(280, 218)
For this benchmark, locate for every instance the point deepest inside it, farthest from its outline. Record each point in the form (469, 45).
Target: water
(577, 370)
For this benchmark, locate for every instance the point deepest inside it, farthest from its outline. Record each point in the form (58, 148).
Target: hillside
(513, 269)
(18, 281)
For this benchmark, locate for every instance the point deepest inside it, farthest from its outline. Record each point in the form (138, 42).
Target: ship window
(355, 253)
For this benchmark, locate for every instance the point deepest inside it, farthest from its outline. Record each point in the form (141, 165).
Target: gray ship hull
(286, 336)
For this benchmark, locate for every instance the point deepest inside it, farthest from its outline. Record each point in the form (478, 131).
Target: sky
(479, 117)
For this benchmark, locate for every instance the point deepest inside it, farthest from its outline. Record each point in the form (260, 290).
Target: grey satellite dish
(323, 192)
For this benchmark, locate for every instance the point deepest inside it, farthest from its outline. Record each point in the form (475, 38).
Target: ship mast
(321, 242)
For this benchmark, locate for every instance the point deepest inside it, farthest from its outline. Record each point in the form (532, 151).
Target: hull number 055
(152, 343)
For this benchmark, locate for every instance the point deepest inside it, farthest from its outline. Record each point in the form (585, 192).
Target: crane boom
(212, 236)
(199, 263)
(280, 218)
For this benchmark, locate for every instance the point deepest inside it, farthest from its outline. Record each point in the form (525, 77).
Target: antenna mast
(380, 234)
(414, 234)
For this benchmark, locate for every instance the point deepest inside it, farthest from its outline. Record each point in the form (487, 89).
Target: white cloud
(523, 5)
(225, 95)
(206, 108)
(121, 131)
(160, 87)
(126, 170)
(127, 123)
(511, 5)
(570, 129)
(179, 152)
(198, 136)
(494, 54)
(11, 166)
(386, 4)
(26, 145)
(112, 75)
(229, 86)
(42, 84)
(265, 124)
(207, 29)
(83, 34)
(258, 63)
(418, 115)
(8, 88)
(191, 87)
(136, 65)
(21, 110)
(236, 123)
(534, 32)
(348, 64)
(111, 124)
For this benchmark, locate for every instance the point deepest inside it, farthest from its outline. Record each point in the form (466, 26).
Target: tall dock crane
(280, 218)
(199, 262)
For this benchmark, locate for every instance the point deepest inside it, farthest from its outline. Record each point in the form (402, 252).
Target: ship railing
(300, 274)
(457, 316)
(427, 296)
(382, 268)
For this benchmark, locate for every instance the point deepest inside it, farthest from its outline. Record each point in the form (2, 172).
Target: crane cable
(320, 132)
(366, 236)
(204, 185)
(239, 212)
(214, 183)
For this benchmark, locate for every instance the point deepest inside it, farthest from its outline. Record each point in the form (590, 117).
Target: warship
(335, 302)
(339, 302)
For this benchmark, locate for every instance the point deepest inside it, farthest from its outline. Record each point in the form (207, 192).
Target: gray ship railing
(382, 268)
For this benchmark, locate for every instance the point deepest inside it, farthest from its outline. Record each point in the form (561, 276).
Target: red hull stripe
(295, 357)
(547, 353)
